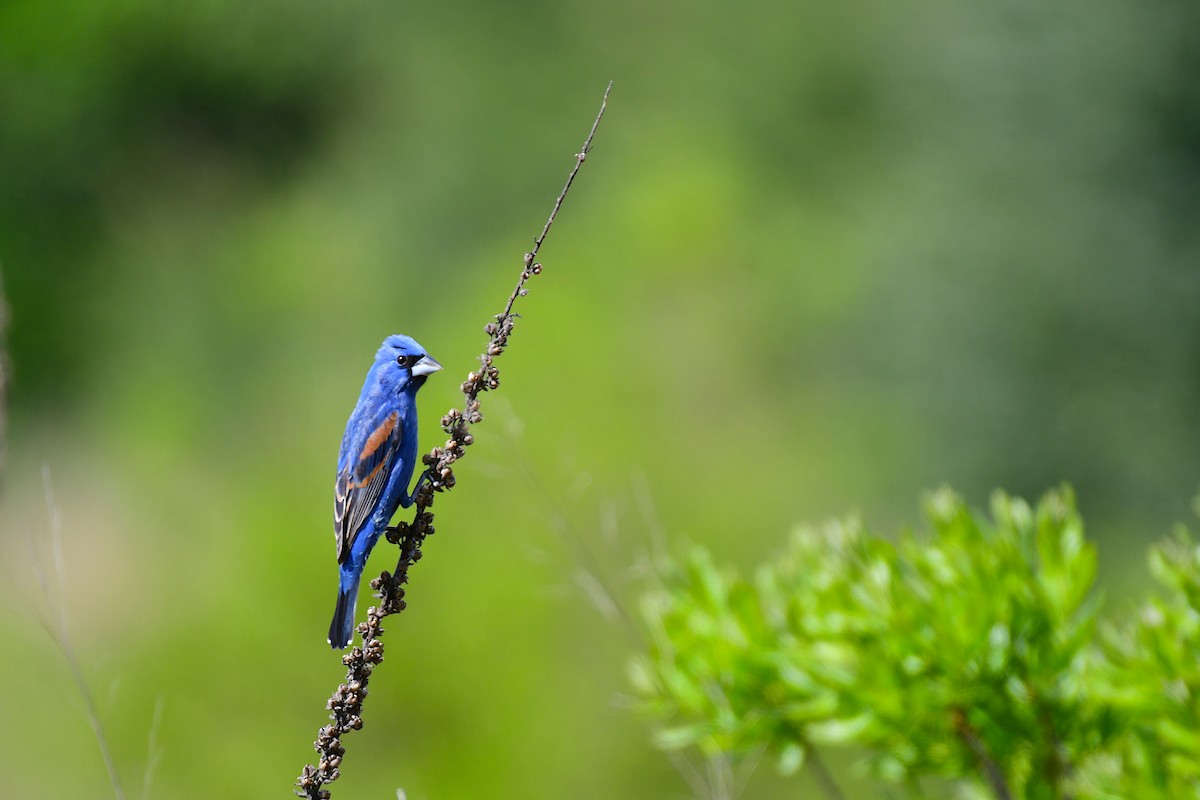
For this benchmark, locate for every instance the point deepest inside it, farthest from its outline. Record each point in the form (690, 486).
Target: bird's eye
(406, 361)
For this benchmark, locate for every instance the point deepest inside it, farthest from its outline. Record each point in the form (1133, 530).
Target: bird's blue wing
(362, 478)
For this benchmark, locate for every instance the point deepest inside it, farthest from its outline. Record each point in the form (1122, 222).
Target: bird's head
(404, 363)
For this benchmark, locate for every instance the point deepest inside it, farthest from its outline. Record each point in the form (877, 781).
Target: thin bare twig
(56, 625)
(1056, 765)
(822, 774)
(593, 580)
(345, 705)
(720, 780)
(991, 770)
(152, 750)
(690, 774)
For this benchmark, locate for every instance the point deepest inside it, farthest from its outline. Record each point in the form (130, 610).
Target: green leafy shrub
(970, 654)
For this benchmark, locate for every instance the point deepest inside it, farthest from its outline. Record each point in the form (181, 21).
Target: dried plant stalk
(345, 705)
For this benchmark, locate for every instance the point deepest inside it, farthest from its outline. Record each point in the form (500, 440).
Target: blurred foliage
(969, 650)
(1151, 676)
(823, 255)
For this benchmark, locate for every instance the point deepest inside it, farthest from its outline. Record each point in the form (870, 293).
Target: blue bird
(375, 465)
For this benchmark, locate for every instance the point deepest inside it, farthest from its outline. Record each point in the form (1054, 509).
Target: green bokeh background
(824, 256)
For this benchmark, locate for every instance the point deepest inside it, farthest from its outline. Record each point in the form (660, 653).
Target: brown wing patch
(360, 485)
(379, 436)
(370, 476)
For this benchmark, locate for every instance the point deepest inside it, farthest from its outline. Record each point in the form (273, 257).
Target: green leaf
(791, 758)
(840, 731)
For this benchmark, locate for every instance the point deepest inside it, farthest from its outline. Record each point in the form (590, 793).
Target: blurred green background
(824, 256)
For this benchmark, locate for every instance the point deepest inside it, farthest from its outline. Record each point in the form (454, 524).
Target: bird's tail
(341, 630)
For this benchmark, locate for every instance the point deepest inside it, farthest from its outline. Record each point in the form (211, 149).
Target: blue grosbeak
(375, 465)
